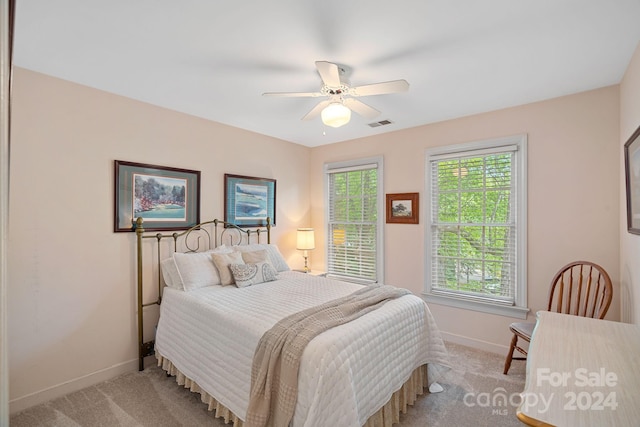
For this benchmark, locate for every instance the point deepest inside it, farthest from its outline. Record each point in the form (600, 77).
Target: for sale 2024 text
(592, 390)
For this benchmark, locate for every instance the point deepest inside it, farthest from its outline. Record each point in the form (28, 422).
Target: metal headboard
(192, 241)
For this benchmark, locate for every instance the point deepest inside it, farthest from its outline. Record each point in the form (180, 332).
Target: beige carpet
(150, 398)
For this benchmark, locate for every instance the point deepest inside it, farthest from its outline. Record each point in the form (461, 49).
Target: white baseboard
(59, 390)
(475, 343)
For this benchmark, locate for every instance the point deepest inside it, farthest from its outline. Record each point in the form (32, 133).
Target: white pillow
(254, 257)
(273, 254)
(170, 273)
(196, 269)
(252, 274)
(222, 262)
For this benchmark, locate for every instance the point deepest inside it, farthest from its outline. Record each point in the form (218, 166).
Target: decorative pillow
(222, 262)
(194, 269)
(273, 254)
(252, 274)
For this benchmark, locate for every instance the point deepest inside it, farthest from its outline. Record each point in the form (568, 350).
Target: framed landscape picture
(165, 198)
(632, 176)
(249, 201)
(402, 208)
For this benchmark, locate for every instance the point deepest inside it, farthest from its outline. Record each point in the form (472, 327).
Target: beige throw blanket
(274, 373)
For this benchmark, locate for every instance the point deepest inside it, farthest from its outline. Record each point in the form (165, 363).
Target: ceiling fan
(336, 110)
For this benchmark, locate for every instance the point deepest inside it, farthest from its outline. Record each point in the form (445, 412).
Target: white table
(582, 372)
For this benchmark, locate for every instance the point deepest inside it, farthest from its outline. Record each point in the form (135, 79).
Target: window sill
(484, 307)
(350, 279)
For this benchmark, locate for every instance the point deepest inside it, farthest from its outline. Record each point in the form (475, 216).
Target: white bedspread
(346, 374)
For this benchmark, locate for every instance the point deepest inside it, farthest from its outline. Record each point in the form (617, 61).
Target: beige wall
(71, 278)
(573, 206)
(629, 243)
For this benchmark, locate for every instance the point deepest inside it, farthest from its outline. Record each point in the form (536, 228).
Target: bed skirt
(385, 417)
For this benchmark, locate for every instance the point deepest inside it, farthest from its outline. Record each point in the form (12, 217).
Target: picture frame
(249, 201)
(403, 208)
(632, 178)
(167, 198)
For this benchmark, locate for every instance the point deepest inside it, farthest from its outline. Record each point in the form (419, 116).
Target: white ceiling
(214, 59)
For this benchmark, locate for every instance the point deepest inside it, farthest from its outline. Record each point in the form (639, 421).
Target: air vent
(380, 123)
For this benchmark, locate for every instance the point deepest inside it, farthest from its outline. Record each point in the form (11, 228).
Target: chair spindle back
(581, 288)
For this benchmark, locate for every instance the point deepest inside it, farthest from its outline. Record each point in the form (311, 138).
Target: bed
(364, 372)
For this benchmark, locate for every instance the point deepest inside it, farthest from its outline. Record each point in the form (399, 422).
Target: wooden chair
(580, 288)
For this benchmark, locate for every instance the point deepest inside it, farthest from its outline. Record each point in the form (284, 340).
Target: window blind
(474, 225)
(353, 223)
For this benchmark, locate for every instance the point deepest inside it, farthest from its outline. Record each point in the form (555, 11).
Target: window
(354, 227)
(476, 234)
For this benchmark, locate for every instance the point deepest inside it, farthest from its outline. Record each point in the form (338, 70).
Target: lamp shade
(335, 115)
(306, 240)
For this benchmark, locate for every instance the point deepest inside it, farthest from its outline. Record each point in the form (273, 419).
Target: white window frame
(519, 309)
(332, 167)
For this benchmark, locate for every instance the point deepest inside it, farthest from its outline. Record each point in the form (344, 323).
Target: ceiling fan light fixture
(335, 115)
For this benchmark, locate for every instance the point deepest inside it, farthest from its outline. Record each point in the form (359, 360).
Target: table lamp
(306, 242)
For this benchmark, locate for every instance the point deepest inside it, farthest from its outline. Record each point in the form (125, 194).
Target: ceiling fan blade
(329, 73)
(380, 88)
(315, 112)
(361, 108)
(293, 94)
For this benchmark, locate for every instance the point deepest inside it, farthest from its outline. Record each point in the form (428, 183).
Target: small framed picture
(402, 208)
(165, 198)
(249, 201)
(632, 176)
